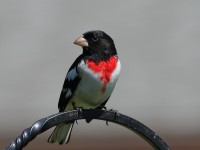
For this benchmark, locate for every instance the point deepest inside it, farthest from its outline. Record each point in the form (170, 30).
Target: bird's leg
(113, 110)
(107, 123)
(104, 108)
(116, 113)
(79, 109)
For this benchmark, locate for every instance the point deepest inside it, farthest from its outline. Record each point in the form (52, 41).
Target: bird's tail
(61, 133)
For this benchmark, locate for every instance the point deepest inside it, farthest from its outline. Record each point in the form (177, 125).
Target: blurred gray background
(158, 44)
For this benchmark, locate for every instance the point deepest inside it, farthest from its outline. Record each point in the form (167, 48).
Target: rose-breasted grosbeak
(90, 80)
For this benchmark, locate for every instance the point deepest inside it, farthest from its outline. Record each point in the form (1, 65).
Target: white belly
(89, 92)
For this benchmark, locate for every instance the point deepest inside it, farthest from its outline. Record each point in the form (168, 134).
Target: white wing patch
(72, 74)
(69, 93)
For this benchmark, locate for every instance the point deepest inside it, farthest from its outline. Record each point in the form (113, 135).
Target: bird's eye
(95, 38)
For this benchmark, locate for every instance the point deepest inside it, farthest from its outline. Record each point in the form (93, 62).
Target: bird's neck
(98, 55)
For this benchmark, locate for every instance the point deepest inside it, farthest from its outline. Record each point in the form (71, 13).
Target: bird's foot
(104, 108)
(116, 112)
(79, 109)
(107, 123)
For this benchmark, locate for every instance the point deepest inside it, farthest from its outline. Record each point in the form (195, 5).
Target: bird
(90, 80)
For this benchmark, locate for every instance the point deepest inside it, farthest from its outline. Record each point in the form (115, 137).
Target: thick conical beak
(81, 42)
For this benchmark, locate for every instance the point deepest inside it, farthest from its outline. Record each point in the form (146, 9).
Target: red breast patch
(104, 68)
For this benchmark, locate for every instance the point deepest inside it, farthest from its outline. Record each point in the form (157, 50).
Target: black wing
(69, 85)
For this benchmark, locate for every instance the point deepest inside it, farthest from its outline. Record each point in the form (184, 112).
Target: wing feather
(70, 84)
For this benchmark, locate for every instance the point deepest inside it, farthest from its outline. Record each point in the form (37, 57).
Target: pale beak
(81, 42)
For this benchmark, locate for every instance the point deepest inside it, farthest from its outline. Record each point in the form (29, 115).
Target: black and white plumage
(90, 80)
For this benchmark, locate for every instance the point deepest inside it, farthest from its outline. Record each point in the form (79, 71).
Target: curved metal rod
(44, 124)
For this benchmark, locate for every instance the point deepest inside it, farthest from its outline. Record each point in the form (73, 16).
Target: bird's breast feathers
(97, 80)
(104, 69)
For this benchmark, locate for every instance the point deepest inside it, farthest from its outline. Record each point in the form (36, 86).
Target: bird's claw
(79, 109)
(107, 123)
(113, 110)
(116, 112)
(104, 108)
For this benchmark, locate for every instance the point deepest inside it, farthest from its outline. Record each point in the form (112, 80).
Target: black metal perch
(108, 115)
